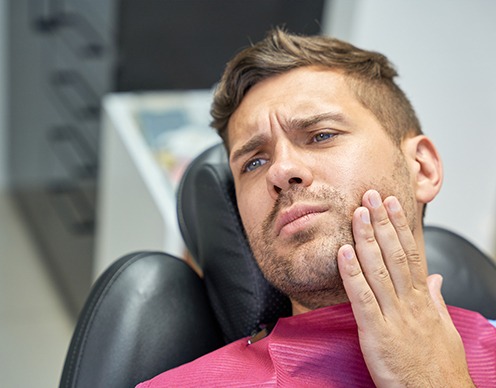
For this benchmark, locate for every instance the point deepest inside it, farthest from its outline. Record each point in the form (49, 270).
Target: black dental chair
(150, 311)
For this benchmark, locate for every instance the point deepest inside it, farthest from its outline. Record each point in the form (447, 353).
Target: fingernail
(440, 281)
(347, 252)
(364, 215)
(393, 204)
(375, 199)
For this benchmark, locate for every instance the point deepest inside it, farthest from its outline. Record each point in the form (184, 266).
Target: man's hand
(406, 334)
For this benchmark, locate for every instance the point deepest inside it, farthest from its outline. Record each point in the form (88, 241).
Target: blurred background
(101, 102)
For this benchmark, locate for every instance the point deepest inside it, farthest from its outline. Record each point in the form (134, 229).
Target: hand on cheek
(406, 334)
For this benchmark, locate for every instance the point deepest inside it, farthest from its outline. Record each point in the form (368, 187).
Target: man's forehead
(289, 95)
(296, 80)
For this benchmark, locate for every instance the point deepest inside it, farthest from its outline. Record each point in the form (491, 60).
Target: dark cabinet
(65, 55)
(60, 64)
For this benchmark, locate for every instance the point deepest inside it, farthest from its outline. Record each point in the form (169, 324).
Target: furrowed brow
(251, 145)
(306, 122)
(291, 124)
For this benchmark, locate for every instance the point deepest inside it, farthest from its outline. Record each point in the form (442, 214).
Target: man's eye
(254, 164)
(323, 136)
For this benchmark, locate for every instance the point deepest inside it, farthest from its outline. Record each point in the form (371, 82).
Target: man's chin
(300, 251)
(302, 237)
(312, 299)
(310, 243)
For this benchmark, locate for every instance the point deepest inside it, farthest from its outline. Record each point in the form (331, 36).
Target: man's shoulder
(237, 361)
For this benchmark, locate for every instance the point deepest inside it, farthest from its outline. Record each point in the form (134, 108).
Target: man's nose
(289, 167)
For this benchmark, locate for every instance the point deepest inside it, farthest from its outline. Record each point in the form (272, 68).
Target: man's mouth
(297, 218)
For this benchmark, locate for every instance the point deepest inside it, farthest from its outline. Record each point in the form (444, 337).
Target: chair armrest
(147, 313)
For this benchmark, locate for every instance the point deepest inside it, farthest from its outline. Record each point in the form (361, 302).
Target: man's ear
(426, 167)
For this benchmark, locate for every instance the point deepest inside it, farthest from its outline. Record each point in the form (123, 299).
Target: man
(332, 174)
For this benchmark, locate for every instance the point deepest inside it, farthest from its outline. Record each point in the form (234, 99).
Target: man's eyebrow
(291, 124)
(306, 122)
(251, 145)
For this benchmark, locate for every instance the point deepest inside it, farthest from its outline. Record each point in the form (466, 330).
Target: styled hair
(369, 74)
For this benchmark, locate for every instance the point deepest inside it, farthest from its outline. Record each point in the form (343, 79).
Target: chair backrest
(469, 276)
(150, 312)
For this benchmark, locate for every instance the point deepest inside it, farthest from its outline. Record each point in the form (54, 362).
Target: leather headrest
(469, 275)
(211, 226)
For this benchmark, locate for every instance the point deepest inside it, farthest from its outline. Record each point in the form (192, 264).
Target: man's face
(303, 151)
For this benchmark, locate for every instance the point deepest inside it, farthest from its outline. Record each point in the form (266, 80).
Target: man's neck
(299, 308)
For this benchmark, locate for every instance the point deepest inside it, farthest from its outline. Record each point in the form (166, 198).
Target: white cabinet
(147, 141)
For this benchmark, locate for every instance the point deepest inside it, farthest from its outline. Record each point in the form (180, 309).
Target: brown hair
(369, 74)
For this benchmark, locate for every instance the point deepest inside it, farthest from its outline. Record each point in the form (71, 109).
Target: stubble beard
(304, 266)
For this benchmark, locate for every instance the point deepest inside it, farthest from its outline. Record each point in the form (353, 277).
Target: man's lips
(296, 216)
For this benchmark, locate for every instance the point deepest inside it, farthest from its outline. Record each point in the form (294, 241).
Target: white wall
(445, 52)
(3, 95)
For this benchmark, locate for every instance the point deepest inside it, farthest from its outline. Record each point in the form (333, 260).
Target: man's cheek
(248, 220)
(252, 212)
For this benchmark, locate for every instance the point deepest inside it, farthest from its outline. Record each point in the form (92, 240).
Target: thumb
(434, 283)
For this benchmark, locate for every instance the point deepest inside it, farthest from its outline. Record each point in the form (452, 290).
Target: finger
(435, 282)
(393, 252)
(362, 299)
(416, 265)
(370, 258)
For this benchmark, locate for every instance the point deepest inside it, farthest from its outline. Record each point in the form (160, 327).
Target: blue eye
(254, 164)
(322, 136)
